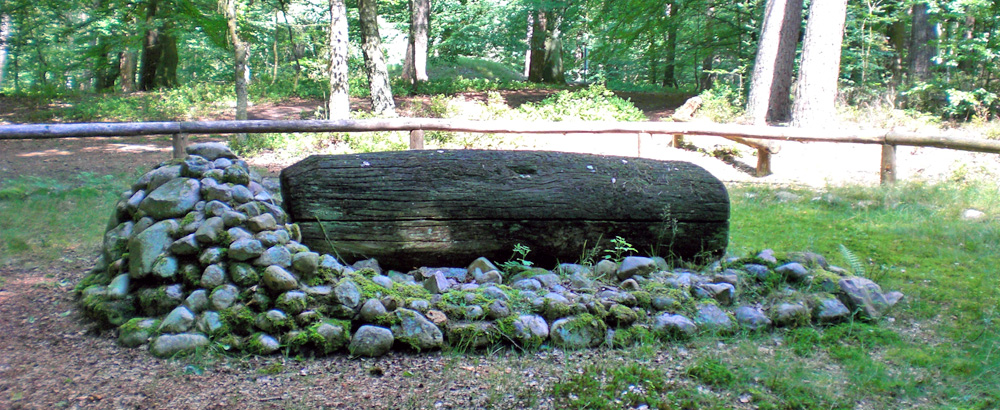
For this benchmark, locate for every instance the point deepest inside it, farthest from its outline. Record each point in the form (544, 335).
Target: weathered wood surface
(445, 208)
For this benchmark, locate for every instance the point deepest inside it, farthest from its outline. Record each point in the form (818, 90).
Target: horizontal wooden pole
(731, 131)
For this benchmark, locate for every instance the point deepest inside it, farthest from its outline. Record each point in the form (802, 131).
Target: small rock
(371, 310)
(371, 341)
(263, 222)
(276, 255)
(831, 310)
(767, 255)
(169, 345)
(751, 318)
(790, 314)
(415, 330)
(436, 283)
(498, 310)
(635, 265)
(530, 330)
(492, 276)
(224, 296)
(243, 274)
(305, 263)
(210, 150)
(137, 331)
(178, 320)
(186, 245)
(973, 214)
(724, 293)
(210, 231)
(214, 275)
(278, 279)
(197, 301)
(529, 284)
(347, 293)
(479, 267)
(211, 255)
(578, 332)
(605, 269)
(245, 249)
(794, 271)
(172, 200)
(785, 196)
(263, 344)
(674, 325)
(710, 317)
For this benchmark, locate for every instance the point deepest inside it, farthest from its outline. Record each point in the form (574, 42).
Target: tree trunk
(4, 35)
(126, 71)
(536, 65)
(707, 79)
(415, 62)
(371, 45)
(557, 204)
(166, 71)
(552, 71)
(816, 95)
(771, 84)
(669, 71)
(527, 54)
(339, 106)
(922, 48)
(240, 50)
(105, 66)
(150, 50)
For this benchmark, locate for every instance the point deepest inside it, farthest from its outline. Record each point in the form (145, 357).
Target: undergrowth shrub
(595, 103)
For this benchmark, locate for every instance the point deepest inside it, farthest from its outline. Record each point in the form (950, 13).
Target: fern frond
(853, 261)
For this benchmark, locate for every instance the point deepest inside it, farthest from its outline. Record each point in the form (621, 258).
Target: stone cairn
(198, 255)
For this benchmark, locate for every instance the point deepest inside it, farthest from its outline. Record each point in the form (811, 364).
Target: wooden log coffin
(410, 209)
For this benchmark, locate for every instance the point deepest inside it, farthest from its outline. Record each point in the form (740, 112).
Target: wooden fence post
(638, 143)
(763, 162)
(887, 173)
(678, 141)
(180, 142)
(416, 139)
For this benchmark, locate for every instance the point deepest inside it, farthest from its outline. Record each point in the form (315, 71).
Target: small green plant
(518, 261)
(711, 372)
(853, 261)
(620, 249)
(600, 386)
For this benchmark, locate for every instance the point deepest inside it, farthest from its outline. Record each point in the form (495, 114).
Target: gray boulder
(210, 150)
(145, 247)
(751, 318)
(674, 325)
(178, 320)
(172, 344)
(865, 297)
(529, 330)
(173, 199)
(224, 296)
(278, 279)
(245, 249)
(710, 317)
(371, 341)
(635, 265)
(137, 331)
(831, 310)
(794, 271)
(347, 293)
(414, 329)
(275, 255)
(578, 332)
(790, 314)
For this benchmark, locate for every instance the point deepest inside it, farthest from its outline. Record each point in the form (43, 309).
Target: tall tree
(339, 105)
(415, 61)
(816, 94)
(922, 49)
(159, 51)
(771, 83)
(545, 61)
(240, 57)
(371, 45)
(4, 35)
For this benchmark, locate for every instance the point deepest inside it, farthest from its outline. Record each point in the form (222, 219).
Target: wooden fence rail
(744, 134)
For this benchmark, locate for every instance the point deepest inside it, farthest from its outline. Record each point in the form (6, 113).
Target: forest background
(935, 57)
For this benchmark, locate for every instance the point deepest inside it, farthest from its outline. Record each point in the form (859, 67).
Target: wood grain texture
(446, 208)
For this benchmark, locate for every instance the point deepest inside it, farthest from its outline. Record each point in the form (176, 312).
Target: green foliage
(620, 249)
(594, 103)
(721, 104)
(517, 262)
(599, 386)
(853, 261)
(711, 372)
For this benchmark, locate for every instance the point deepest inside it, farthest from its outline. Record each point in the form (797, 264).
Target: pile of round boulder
(199, 254)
